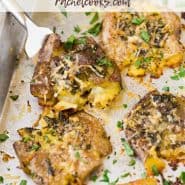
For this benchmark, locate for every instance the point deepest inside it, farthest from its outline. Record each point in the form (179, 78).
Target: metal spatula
(35, 34)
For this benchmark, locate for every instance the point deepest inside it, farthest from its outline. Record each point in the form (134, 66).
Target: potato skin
(41, 82)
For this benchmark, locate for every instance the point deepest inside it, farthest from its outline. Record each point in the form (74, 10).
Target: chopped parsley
(77, 29)
(64, 13)
(105, 176)
(143, 175)
(181, 87)
(175, 77)
(1, 180)
(125, 106)
(81, 40)
(35, 147)
(70, 42)
(114, 182)
(3, 137)
(166, 88)
(88, 13)
(23, 182)
(132, 162)
(145, 36)
(104, 62)
(179, 74)
(114, 161)
(94, 178)
(120, 124)
(182, 177)
(77, 155)
(147, 59)
(26, 139)
(166, 182)
(138, 64)
(95, 29)
(128, 149)
(14, 97)
(125, 175)
(46, 139)
(155, 170)
(95, 18)
(138, 21)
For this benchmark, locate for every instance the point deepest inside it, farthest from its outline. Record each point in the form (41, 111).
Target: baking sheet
(10, 46)
(25, 111)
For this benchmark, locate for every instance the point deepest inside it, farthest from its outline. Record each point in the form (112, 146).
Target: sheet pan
(25, 111)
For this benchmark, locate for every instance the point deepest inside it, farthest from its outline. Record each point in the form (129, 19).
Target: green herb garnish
(114, 182)
(14, 97)
(81, 40)
(145, 36)
(120, 124)
(95, 18)
(23, 182)
(95, 30)
(125, 175)
(181, 87)
(3, 137)
(166, 88)
(70, 42)
(35, 147)
(114, 161)
(77, 155)
(155, 170)
(166, 182)
(77, 29)
(138, 21)
(94, 178)
(127, 147)
(143, 175)
(138, 64)
(104, 62)
(105, 176)
(125, 106)
(1, 180)
(147, 59)
(132, 162)
(182, 177)
(46, 139)
(64, 13)
(181, 72)
(175, 77)
(26, 139)
(88, 13)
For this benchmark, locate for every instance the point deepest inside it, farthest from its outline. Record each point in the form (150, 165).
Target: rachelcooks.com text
(96, 3)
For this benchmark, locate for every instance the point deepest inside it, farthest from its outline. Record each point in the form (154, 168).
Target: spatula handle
(13, 7)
